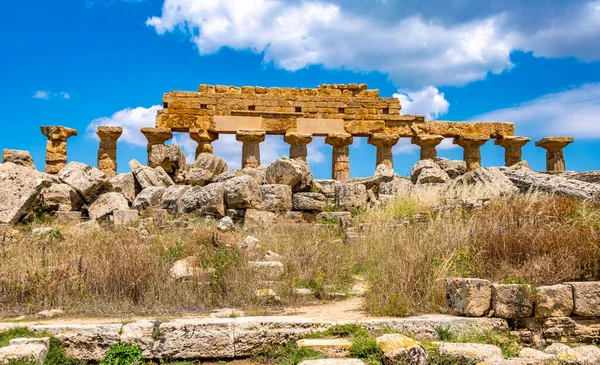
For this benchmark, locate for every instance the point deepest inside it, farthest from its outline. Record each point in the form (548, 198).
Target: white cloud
(132, 120)
(429, 101)
(42, 94)
(572, 112)
(415, 43)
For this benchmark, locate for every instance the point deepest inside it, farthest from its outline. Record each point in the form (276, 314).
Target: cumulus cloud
(429, 101)
(572, 112)
(132, 120)
(42, 94)
(416, 44)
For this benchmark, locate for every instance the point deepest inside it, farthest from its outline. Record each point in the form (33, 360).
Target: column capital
(58, 133)
(471, 140)
(383, 139)
(297, 138)
(554, 143)
(157, 135)
(339, 139)
(202, 135)
(108, 132)
(512, 141)
(426, 140)
(254, 135)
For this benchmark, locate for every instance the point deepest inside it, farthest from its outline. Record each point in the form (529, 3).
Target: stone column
(56, 147)
(298, 142)
(340, 161)
(107, 152)
(555, 158)
(427, 142)
(512, 148)
(250, 148)
(384, 144)
(156, 136)
(204, 139)
(471, 143)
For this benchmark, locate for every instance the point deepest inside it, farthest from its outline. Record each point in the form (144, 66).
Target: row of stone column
(56, 147)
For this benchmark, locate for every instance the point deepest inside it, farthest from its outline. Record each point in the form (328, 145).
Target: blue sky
(82, 63)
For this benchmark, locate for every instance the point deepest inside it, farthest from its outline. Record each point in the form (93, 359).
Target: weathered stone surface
(487, 180)
(225, 224)
(19, 189)
(18, 157)
(398, 186)
(148, 197)
(211, 163)
(469, 351)
(310, 202)
(295, 173)
(125, 217)
(326, 187)
(590, 352)
(527, 180)
(564, 329)
(148, 176)
(196, 339)
(126, 185)
(428, 172)
(242, 192)
(141, 333)
(565, 354)
(250, 243)
(87, 180)
(586, 176)
(468, 297)
(529, 353)
(182, 269)
(227, 175)
(198, 176)
(401, 350)
(60, 197)
(454, 168)
(170, 157)
(554, 301)
(586, 298)
(25, 350)
(83, 341)
(330, 347)
(208, 199)
(260, 218)
(107, 203)
(254, 333)
(267, 270)
(68, 217)
(259, 173)
(333, 362)
(349, 196)
(275, 197)
(512, 300)
(171, 196)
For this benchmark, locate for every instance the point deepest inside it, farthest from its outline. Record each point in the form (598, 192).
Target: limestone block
(533, 354)
(148, 176)
(68, 217)
(487, 180)
(590, 352)
(208, 199)
(275, 198)
(60, 197)
(426, 172)
(25, 350)
(83, 341)
(87, 180)
(586, 297)
(254, 218)
(170, 157)
(125, 217)
(225, 224)
(566, 354)
(196, 338)
(198, 176)
(453, 168)
(267, 270)
(326, 187)
(292, 172)
(242, 192)
(330, 347)
(141, 333)
(18, 157)
(182, 269)
(399, 350)
(19, 189)
(259, 173)
(107, 203)
(527, 180)
(148, 197)
(171, 196)
(211, 162)
(398, 186)
(311, 202)
(468, 297)
(126, 185)
(227, 175)
(349, 196)
(254, 333)
(554, 301)
(512, 300)
(468, 352)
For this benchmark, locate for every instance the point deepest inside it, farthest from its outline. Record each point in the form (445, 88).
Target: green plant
(512, 280)
(175, 252)
(508, 343)
(444, 333)
(364, 346)
(56, 354)
(123, 354)
(435, 358)
(288, 354)
(340, 330)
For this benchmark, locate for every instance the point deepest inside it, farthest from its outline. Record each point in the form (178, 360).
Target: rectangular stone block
(512, 300)
(125, 217)
(554, 301)
(468, 297)
(586, 298)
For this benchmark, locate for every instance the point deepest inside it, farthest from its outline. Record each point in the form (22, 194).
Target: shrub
(123, 354)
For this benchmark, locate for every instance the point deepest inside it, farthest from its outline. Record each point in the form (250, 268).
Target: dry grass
(116, 272)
